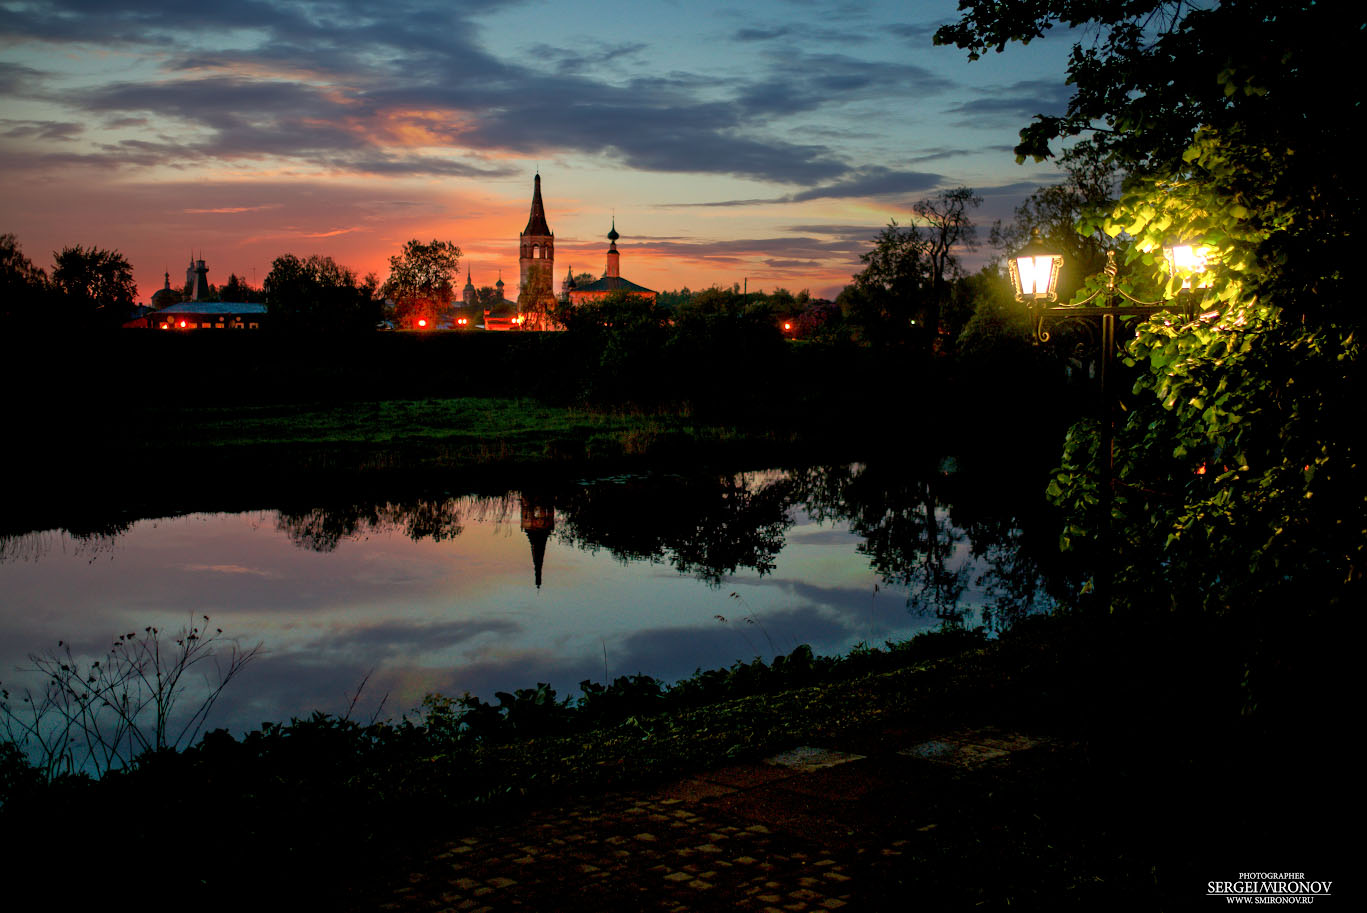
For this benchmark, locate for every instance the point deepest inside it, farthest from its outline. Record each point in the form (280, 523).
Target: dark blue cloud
(40, 129)
(356, 63)
(1011, 105)
(429, 56)
(854, 183)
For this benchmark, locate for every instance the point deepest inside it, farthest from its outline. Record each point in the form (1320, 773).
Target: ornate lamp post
(1034, 273)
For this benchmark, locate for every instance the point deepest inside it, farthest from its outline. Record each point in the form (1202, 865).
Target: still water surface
(659, 575)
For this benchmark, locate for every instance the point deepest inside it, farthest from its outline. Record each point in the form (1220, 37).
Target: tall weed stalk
(93, 717)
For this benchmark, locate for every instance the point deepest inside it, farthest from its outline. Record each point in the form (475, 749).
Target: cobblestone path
(792, 834)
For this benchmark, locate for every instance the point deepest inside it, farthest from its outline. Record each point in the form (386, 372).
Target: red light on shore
(182, 324)
(462, 321)
(422, 321)
(787, 326)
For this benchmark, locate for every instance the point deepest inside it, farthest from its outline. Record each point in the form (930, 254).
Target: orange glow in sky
(728, 150)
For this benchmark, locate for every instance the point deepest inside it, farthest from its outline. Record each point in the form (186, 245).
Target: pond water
(659, 574)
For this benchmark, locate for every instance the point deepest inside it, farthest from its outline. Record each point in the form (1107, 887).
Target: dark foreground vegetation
(1187, 749)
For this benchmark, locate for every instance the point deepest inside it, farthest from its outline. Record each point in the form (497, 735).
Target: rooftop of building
(612, 284)
(215, 307)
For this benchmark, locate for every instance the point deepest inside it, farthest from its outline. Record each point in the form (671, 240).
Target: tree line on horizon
(911, 294)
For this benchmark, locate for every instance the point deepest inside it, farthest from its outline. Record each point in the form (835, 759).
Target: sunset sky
(768, 142)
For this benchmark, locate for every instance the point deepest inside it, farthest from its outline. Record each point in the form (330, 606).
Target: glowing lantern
(1186, 260)
(1034, 271)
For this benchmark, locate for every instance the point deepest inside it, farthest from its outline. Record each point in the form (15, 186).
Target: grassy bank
(459, 433)
(103, 428)
(1167, 771)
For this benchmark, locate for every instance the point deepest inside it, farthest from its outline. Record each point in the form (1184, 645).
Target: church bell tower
(536, 255)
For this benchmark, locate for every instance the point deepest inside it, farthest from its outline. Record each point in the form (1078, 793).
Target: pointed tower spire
(536, 222)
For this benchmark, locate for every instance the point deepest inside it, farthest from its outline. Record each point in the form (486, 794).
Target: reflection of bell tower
(538, 519)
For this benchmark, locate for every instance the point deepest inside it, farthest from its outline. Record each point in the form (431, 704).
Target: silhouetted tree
(23, 287)
(96, 286)
(236, 289)
(420, 280)
(618, 343)
(317, 295)
(905, 281)
(486, 298)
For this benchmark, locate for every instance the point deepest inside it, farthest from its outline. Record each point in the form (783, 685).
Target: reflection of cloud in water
(230, 569)
(406, 637)
(817, 535)
(326, 677)
(674, 653)
(842, 598)
(275, 687)
(515, 669)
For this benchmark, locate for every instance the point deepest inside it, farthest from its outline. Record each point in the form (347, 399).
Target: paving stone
(806, 759)
(746, 837)
(935, 750)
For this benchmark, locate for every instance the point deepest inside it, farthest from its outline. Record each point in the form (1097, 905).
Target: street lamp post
(1034, 273)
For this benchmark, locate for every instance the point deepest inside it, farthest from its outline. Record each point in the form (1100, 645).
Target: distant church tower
(537, 251)
(199, 283)
(468, 293)
(613, 268)
(568, 285)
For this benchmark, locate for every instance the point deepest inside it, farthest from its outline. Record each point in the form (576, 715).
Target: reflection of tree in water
(917, 527)
(915, 523)
(86, 543)
(321, 529)
(1012, 580)
(708, 527)
(1013, 538)
(906, 530)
